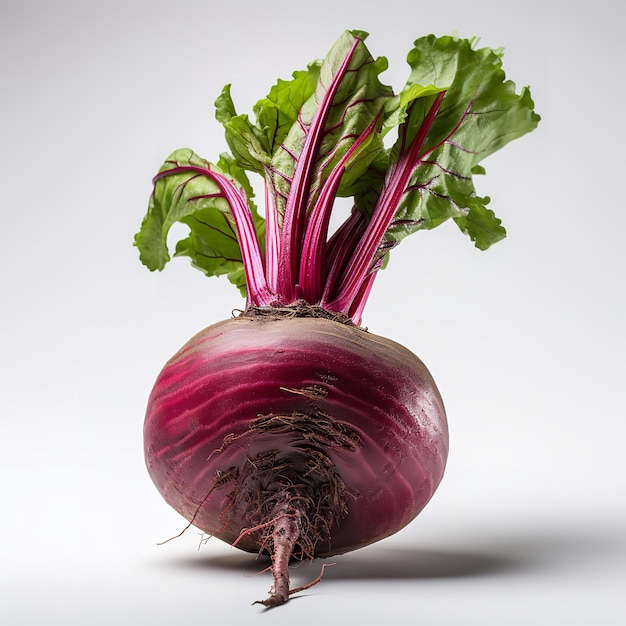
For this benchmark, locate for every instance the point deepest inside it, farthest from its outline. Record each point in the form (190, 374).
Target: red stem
(395, 186)
(358, 304)
(258, 292)
(272, 242)
(296, 206)
(339, 249)
(314, 245)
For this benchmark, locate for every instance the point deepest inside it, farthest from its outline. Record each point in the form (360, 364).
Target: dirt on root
(300, 308)
(302, 483)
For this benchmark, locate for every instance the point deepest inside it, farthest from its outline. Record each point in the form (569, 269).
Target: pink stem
(272, 241)
(313, 247)
(258, 292)
(296, 207)
(339, 249)
(360, 264)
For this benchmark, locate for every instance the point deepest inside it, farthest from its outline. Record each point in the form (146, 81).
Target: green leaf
(278, 111)
(247, 142)
(479, 114)
(358, 100)
(254, 144)
(183, 193)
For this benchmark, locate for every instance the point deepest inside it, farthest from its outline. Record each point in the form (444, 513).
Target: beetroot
(358, 413)
(289, 429)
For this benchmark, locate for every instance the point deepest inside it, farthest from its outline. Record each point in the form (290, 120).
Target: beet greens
(290, 430)
(320, 136)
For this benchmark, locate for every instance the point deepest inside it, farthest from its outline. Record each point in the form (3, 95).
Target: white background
(526, 341)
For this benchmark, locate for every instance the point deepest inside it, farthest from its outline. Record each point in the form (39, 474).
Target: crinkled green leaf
(481, 113)
(247, 142)
(195, 200)
(254, 144)
(278, 111)
(358, 100)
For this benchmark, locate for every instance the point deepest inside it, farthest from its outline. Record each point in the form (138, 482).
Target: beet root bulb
(295, 437)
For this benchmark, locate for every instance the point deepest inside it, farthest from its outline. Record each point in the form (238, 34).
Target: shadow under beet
(496, 553)
(374, 562)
